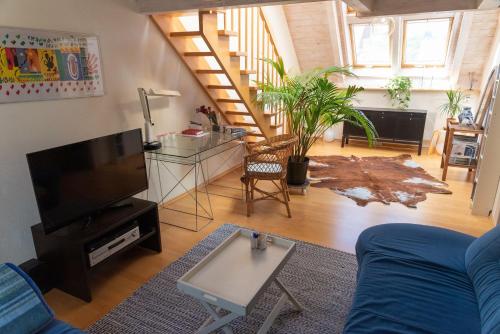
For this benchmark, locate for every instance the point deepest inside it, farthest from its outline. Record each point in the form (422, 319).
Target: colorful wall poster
(46, 65)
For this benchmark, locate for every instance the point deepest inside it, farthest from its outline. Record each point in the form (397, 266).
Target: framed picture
(46, 65)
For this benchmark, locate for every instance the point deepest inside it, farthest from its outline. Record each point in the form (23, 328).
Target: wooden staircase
(225, 51)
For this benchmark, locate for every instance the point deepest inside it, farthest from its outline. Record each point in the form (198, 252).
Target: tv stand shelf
(65, 249)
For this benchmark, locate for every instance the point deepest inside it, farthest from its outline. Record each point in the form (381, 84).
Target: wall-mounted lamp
(151, 143)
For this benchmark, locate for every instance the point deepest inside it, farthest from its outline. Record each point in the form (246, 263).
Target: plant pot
(297, 172)
(215, 128)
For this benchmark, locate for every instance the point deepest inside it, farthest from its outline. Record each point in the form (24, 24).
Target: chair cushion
(482, 260)
(264, 167)
(411, 280)
(22, 307)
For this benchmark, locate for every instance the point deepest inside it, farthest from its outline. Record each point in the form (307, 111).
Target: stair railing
(256, 43)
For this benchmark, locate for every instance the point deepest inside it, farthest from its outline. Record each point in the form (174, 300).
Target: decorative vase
(297, 172)
(329, 135)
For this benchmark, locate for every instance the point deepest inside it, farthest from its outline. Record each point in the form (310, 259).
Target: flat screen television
(76, 181)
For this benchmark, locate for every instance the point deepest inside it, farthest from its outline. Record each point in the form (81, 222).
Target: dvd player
(100, 250)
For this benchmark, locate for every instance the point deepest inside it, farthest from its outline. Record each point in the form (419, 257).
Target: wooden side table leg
(446, 156)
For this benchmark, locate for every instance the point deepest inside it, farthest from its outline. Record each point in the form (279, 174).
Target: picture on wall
(47, 65)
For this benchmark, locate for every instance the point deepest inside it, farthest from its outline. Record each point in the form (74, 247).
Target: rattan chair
(268, 161)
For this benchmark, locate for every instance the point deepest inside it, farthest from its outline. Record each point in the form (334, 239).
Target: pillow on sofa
(482, 261)
(22, 308)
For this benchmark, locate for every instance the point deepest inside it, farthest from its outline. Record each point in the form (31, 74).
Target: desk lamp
(150, 142)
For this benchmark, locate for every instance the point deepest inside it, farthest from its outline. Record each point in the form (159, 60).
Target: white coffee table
(233, 276)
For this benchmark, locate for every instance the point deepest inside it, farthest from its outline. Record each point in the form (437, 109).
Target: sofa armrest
(435, 245)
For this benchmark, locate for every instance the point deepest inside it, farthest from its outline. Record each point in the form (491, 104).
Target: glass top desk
(192, 152)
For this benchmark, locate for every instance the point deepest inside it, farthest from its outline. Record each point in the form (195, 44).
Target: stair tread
(229, 100)
(271, 114)
(244, 124)
(198, 54)
(220, 87)
(227, 33)
(246, 72)
(253, 134)
(209, 71)
(238, 54)
(240, 113)
(185, 33)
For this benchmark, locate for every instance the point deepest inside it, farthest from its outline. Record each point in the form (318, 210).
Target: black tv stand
(122, 204)
(65, 250)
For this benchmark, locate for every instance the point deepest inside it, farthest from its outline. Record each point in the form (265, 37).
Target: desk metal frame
(196, 163)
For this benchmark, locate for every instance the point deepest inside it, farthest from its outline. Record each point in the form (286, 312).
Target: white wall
(133, 54)
(278, 25)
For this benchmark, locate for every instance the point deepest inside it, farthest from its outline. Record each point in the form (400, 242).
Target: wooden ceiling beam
(361, 6)
(403, 7)
(163, 6)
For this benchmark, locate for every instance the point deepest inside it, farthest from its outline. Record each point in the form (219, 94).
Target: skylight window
(371, 44)
(425, 42)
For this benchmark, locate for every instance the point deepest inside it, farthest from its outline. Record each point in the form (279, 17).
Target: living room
(207, 217)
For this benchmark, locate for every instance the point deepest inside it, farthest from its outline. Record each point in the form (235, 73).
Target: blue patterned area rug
(322, 279)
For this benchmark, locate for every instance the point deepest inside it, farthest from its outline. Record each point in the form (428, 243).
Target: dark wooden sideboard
(392, 125)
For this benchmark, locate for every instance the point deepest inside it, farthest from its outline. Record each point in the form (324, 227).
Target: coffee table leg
(277, 308)
(218, 321)
(294, 301)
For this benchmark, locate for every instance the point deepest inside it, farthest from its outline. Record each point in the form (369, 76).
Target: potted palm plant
(312, 104)
(454, 105)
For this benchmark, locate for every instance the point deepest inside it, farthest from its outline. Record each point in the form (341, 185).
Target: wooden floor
(321, 217)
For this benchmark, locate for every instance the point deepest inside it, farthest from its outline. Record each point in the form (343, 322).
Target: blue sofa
(421, 279)
(22, 307)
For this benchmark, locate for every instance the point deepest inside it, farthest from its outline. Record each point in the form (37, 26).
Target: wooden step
(254, 134)
(276, 126)
(244, 124)
(247, 72)
(225, 100)
(237, 113)
(220, 87)
(185, 34)
(198, 54)
(237, 54)
(227, 33)
(210, 71)
(271, 114)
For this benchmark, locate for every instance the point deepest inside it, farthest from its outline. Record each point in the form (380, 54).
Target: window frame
(353, 49)
(403, 42)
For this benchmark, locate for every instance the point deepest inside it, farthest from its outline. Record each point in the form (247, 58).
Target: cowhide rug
(375, 179)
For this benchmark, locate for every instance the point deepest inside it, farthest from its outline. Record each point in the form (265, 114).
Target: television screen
(75, 181)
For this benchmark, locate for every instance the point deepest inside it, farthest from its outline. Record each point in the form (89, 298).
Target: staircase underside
(220, 70)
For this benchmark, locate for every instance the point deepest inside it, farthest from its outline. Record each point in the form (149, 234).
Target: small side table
(451, 130)
(233, 276)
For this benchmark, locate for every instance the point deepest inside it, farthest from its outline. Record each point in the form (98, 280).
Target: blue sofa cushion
(59, 327)
(482, 260)
(435, 245)
(411, 280)
(22, 307)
